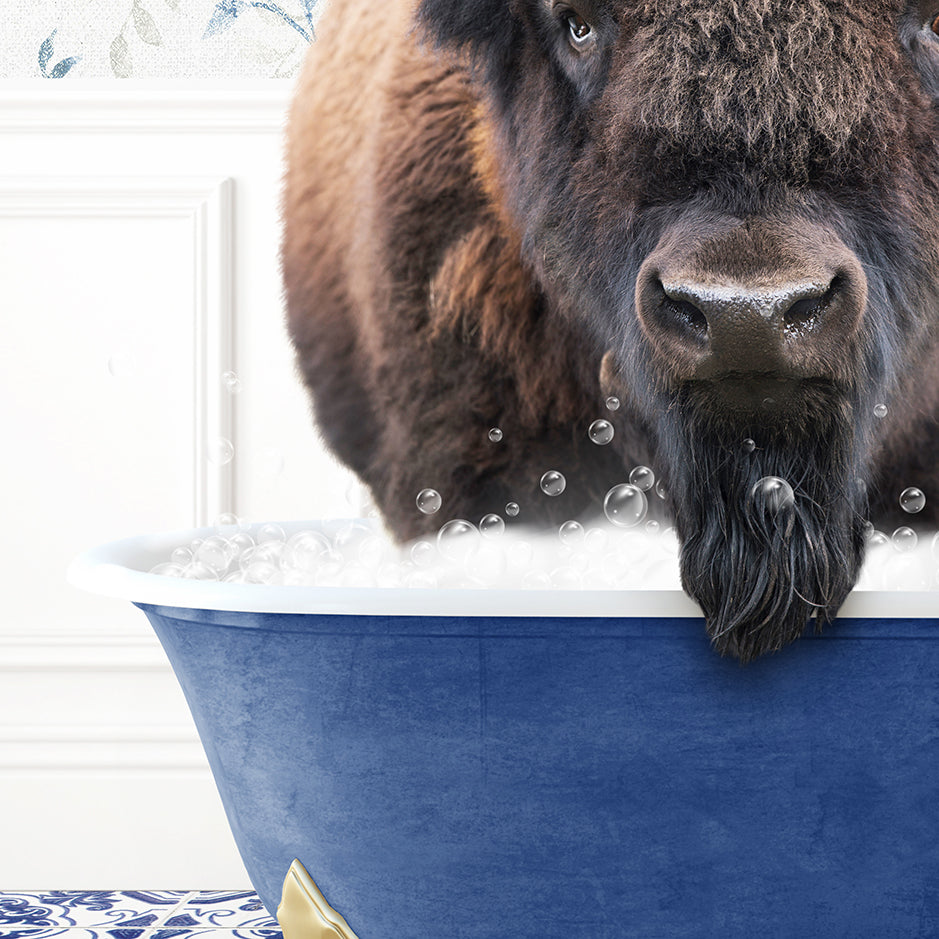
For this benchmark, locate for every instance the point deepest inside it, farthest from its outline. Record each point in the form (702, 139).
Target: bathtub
(439, 764)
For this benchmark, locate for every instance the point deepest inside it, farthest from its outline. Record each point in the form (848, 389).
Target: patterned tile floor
(135, 914)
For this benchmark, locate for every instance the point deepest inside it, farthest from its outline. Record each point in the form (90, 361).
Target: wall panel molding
(207, 205)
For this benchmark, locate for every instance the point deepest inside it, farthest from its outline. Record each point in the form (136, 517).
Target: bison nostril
(806, 310)
(689, 315)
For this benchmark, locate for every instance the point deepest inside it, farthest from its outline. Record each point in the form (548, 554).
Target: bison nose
(797, 320)
(743, 328)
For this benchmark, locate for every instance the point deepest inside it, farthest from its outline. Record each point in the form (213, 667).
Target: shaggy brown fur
(471, 203)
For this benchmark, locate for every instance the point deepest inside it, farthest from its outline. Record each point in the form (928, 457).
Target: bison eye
(580, 30)
(934, 26)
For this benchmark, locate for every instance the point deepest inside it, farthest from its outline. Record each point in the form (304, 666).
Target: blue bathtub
(548, 764)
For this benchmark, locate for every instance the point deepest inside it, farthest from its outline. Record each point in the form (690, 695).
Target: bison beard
(760, 575)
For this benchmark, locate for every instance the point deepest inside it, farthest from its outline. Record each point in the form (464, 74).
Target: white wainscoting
(139, 235)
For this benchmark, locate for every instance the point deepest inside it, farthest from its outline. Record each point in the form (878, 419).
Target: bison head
(737, 200)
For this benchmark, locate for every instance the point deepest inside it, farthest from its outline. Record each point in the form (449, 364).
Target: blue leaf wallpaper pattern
(73, 39)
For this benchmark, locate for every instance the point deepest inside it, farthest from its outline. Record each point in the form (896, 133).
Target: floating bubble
(748, 446)
(880, 410)
(642, 478)
(660, 490)
(491, 525)
(553, 483)
(220, 451)
(600, 432)
(571, 533)
(904, 539)
(231, 382)
(612, 403)
(912, 500)
(226, 520)
(181, 556)
(876, 538)
(512, 509)
(773, 494)
(495, 434)
(625, 505)
(652, 526)
(769, 403)
(457, 540)
(429, 501)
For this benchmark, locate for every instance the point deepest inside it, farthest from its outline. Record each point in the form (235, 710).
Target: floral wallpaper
(68, 39)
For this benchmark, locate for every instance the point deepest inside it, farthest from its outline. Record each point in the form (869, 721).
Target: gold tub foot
(304, 913)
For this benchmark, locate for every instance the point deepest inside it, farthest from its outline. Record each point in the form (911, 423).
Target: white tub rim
(120, 569)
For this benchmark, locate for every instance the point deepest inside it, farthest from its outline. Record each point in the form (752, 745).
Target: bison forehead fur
(724, 211)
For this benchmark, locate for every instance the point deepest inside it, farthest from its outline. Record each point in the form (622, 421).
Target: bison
(724, 212)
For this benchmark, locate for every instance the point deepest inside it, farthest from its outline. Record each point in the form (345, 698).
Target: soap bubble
(876, 538)
(197, 571)
(652, 526)
(912, 500)
(423, 553)
(270, 532)
(220, 451)
(491, 525)
(625, 505)
(773, 494)
(642, 478)
(304, 550)
(596, 540)
(880, 410)
(571, 533)
(536, 580)
(495, 434)
(215, 553)
(660, 490)
(168, 569)
(748, 446)
(511, 509)
(600, 432)
(553, 483)
(231, 382)
(429, 501)
(612, 403)
(457, 539)
(904, 539)
(226, 520)
(487, 565)
(566, 578)
(181, 556)
(519, 555)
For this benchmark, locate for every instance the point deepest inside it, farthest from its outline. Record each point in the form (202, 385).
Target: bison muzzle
(724, 212)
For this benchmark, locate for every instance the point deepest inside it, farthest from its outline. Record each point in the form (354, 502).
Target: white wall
(138, 262)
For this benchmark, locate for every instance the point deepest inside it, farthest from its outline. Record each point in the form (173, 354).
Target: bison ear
(471, 24)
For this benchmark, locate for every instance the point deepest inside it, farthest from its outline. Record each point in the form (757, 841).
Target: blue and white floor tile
(135, 914)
